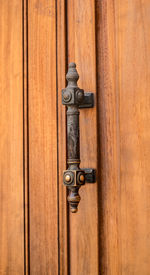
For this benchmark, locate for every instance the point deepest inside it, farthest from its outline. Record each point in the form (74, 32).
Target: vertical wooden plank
(11, 141)
(124, 100)
(26, 134)
(61, 72)
(84, 224)
(134, 97)
(108, 129)
(42, 137)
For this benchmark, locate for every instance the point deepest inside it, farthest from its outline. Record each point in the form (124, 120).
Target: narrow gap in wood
(67, 52)
(25, 138)
(58, 237)
(23, 84)
(61, 128)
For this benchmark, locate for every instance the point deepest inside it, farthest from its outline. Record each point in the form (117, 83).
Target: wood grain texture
(61, 72)
(42, 137)
(123, 45)
(11, 141)
(84, 224)
(26, 134)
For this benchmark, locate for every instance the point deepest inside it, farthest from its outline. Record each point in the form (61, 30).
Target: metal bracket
(88, 101)
(90, 175)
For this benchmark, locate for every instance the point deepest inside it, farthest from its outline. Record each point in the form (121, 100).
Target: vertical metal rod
(73, 137)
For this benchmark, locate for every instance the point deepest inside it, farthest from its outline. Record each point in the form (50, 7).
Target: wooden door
(109, 41)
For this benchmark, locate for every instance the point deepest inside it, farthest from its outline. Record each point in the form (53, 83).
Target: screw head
(81, 177)
(67, 178)
(80, 95)
(67, 96)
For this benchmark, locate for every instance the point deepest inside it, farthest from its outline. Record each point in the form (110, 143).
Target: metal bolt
(67, 96)
(80, 95)
(67, 178)
(81, 177)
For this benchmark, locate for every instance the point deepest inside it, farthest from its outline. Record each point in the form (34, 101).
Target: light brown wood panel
(42, 137)
(108, 141)
(25, 139)
(11, 141)
(123, 45)
(61, 72)
(84, 224)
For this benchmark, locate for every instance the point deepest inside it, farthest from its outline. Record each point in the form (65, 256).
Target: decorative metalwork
(75, 98)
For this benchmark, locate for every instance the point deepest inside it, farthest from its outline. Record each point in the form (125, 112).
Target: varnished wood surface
(110, 233)
(123, 46)
(61, 83)
(83, 227)
(25, 138)
(11, 139)
(42, 137)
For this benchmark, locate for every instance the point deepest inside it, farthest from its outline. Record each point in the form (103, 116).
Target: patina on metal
(75, 98)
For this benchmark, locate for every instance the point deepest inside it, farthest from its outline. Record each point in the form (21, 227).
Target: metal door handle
(75, 98)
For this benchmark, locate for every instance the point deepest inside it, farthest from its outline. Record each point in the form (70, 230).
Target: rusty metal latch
(75, 98)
